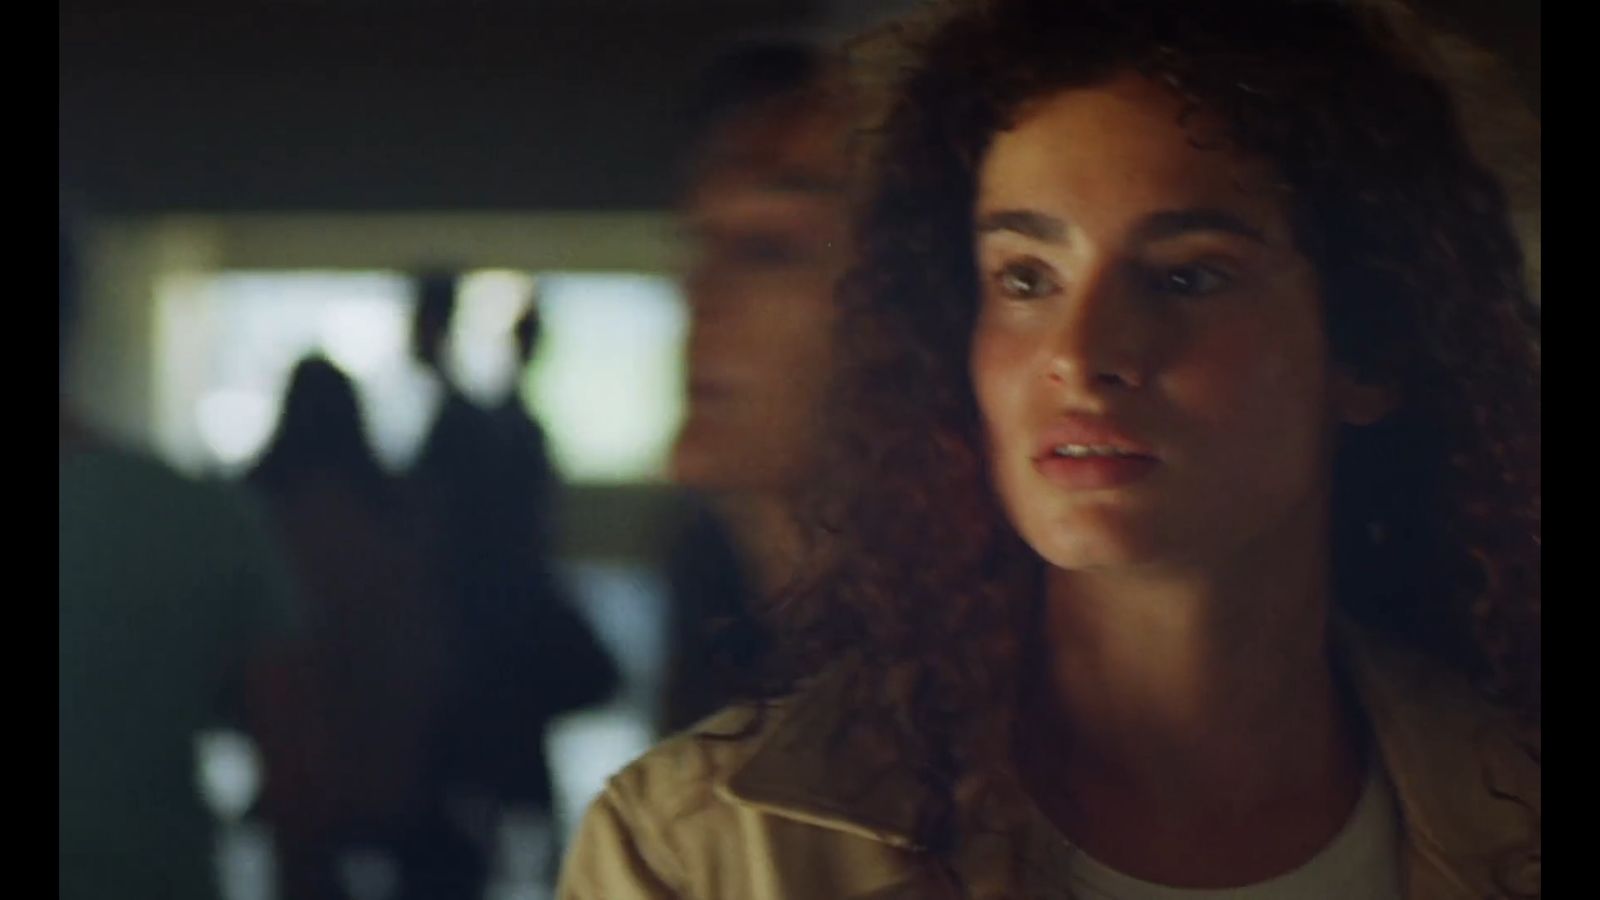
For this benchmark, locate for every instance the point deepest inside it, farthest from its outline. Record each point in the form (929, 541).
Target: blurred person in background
(171, 592)
(521, 653)
(529, 476)
(349, 714)
(765, 211)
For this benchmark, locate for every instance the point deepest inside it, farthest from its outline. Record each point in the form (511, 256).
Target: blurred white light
(589, 747)
(497, 298)
(481, 354)
(400, 405)
(363, 338)
(228, 768)
(245, 861)
(608, 382)
(235, 423)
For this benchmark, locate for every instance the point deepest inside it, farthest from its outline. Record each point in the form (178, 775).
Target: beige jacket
(779, 816)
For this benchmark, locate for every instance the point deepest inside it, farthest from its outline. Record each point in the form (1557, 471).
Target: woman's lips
(1094, 472)
(1093, 453)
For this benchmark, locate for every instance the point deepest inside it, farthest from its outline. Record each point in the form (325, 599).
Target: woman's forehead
(1127, 142)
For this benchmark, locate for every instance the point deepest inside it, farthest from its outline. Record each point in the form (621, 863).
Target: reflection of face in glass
(1149, 355)
(767, 218)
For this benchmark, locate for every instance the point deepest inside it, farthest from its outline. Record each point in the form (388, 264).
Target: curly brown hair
(1436, 511)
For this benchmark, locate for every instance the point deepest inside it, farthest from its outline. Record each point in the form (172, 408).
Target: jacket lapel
(806, 769)
(1467, 778)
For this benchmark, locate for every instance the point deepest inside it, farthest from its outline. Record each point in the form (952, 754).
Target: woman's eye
(1190, 281)
(1024, 280)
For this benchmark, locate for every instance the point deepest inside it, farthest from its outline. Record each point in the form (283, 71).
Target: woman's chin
(1097, 547)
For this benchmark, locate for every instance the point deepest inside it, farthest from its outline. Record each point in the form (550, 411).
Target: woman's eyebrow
(1026, 222)
(1153, 227)
(1175, 222)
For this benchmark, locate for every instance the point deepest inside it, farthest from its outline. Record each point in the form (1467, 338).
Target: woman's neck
(1202, 699)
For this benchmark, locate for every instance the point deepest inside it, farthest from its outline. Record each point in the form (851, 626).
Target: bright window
(605, 381)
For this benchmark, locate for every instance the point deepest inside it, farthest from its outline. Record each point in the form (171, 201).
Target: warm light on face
(1142, 297)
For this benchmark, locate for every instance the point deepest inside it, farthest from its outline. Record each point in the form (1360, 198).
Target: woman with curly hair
(1182, 531)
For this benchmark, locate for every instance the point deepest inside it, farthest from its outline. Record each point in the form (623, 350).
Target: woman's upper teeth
(1080, 450)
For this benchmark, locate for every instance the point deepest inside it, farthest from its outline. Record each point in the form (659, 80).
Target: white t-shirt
(1362, 860)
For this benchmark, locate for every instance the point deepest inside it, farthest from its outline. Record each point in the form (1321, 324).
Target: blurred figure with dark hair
(524, 656)
(436, 309)
(320, 434)
(349, 714)
(170, 589)
(765, 206)
(532, 476)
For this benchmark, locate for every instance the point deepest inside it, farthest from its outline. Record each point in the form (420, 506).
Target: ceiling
(491, 105)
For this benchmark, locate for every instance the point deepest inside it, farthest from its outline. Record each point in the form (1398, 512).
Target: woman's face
(1149, 355)
(767, 218)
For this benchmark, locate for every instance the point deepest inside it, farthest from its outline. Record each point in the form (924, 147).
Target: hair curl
(1436, 512)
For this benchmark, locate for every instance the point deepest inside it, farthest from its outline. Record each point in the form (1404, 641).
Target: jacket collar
(1466, 774)
(1466, 778)
(805, 768)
